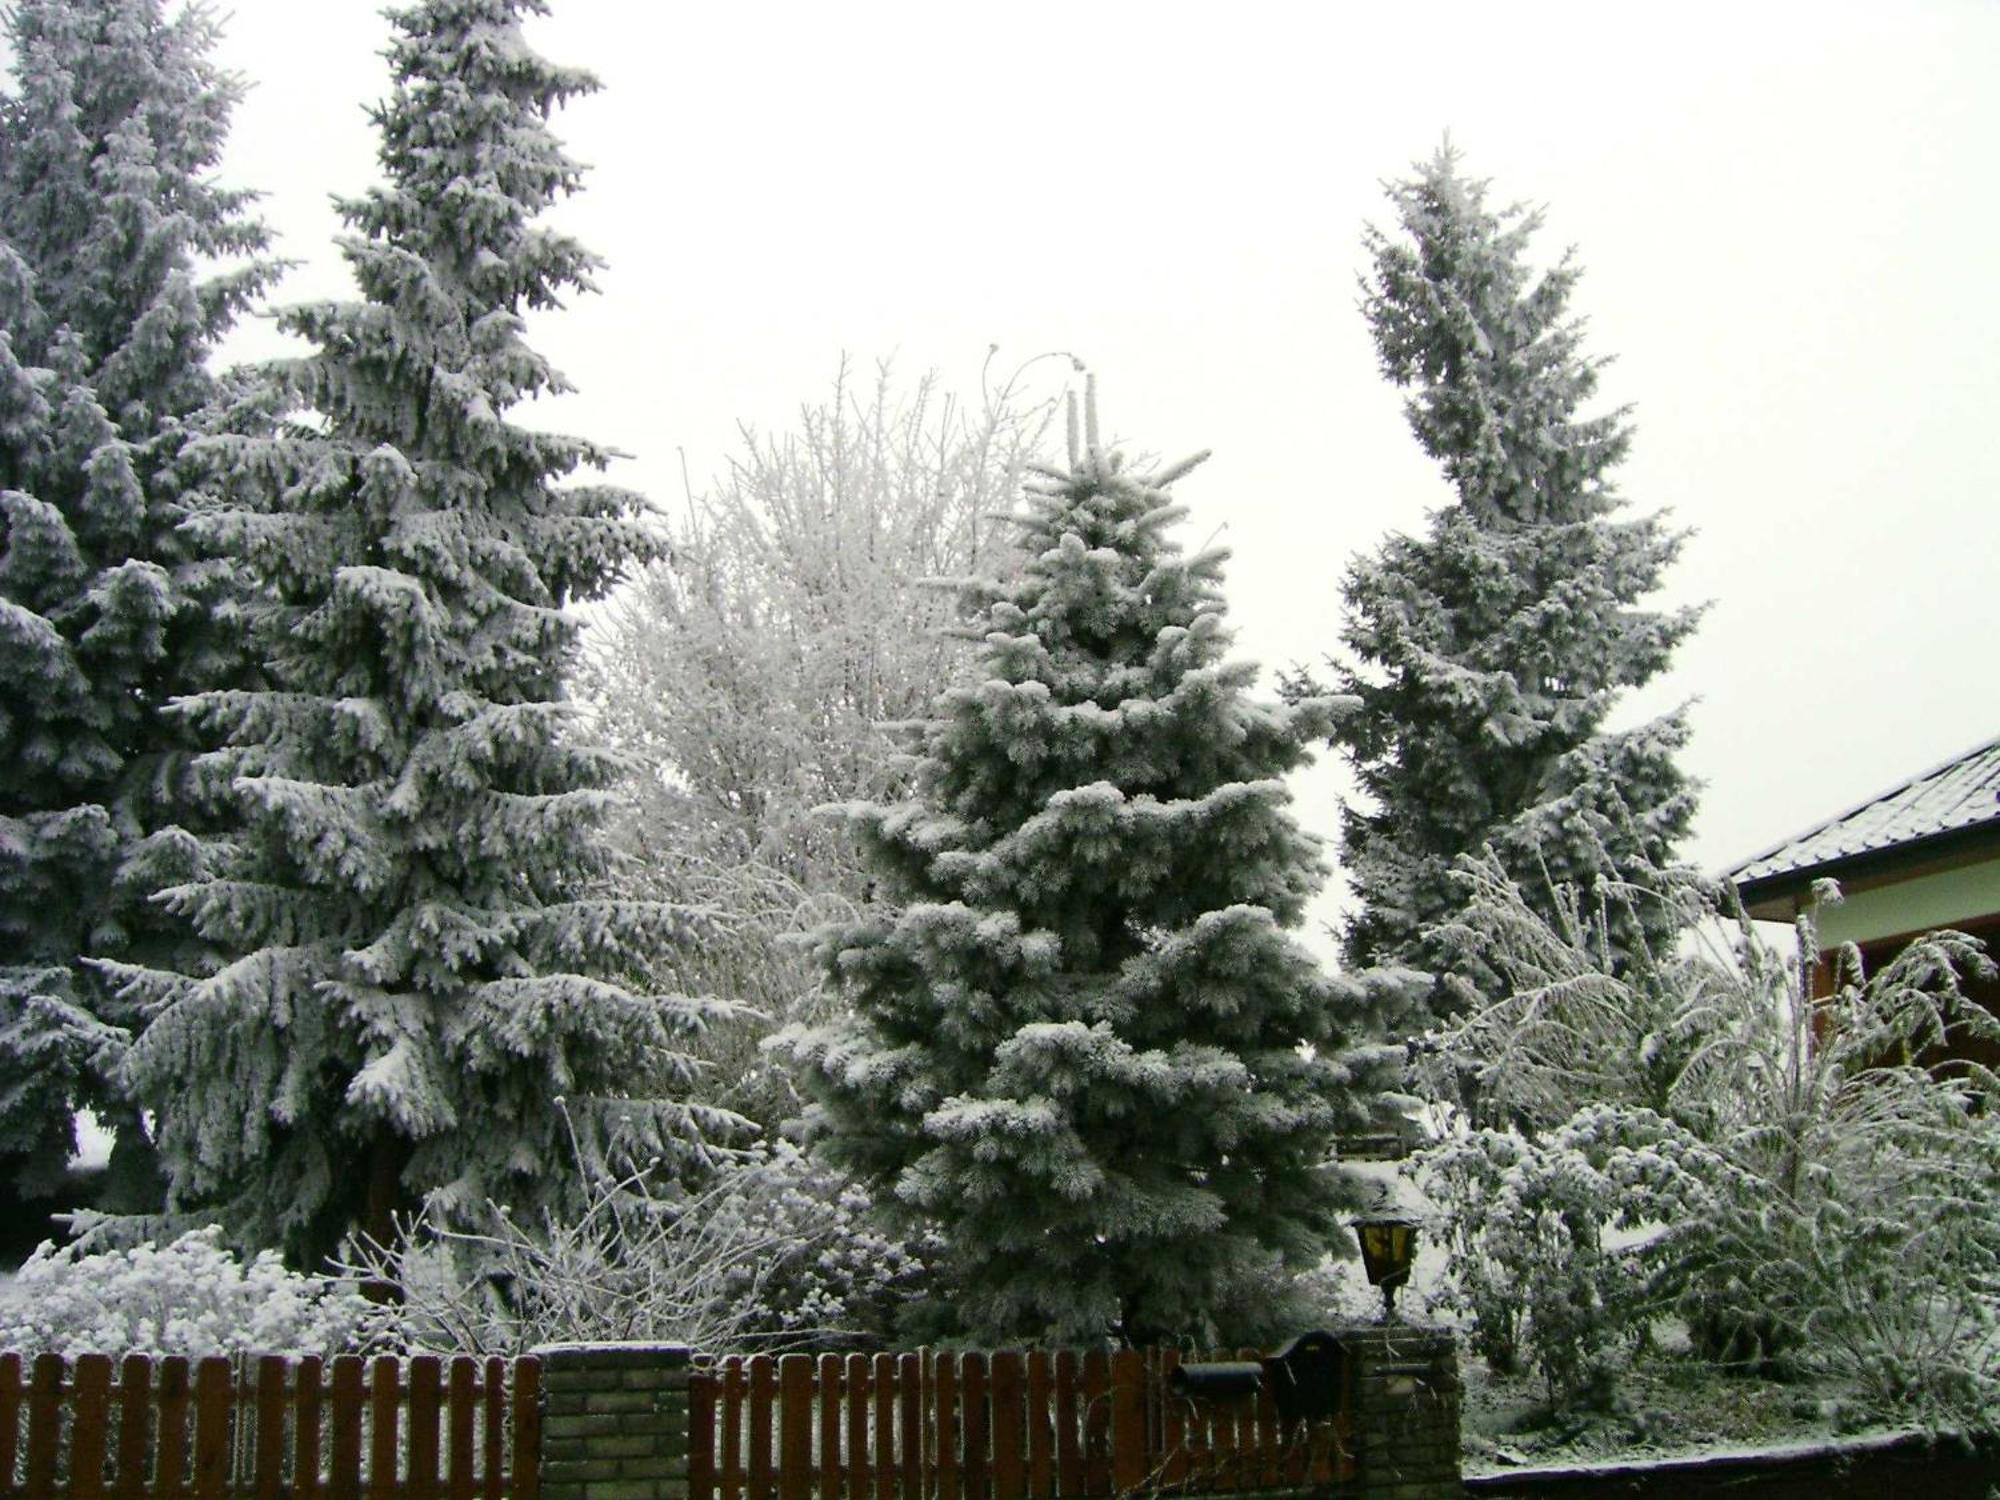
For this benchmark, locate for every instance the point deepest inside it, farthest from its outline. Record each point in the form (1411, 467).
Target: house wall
(1944, 898)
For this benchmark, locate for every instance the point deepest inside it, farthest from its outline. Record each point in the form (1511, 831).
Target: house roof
(1955, 798)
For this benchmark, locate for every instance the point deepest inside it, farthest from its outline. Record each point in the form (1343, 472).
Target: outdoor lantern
(1387, 1247)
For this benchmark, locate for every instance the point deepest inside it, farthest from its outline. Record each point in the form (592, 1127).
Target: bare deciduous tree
(749, 676)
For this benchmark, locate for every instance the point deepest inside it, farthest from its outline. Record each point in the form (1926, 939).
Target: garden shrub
(190, 1296)
(772, 1252)
(1562, 1250)
(1802, 1179)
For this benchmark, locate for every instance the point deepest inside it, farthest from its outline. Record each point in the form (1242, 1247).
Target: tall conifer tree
(1487, 654)
(420, 997)
(1084, 1044)
(122, 263)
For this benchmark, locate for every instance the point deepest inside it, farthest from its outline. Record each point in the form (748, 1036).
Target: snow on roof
(1962, 793)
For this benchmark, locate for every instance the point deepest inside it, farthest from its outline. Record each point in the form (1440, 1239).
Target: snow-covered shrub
(1807, 1179)
(773, 1253)
(1563, 1249)
(189, 1297)
(1578, 1019)
(1866, 1226)
(847, 1278)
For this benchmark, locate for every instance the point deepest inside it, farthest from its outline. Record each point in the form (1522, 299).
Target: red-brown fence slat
(461, 1413)
(975, 1424)
(425, 1398)
(1173, 1425)
(1298, 1443)
(763, 1397)
(45, 1414)
(1006, 1376)
(1249, 1439)
(214, 1406)
(135, 1428)
(493, 1388)
(704, 1397)
(1041, 1433)
(385, 1386)
(89, 1425)
(1222, 1470)
(1269, 1471)
(307, 1395)
(1258, 1431)
(349, 1399)
(13, 1394)
(795, 1421)
(525, 1474)
(854, 1442)
(1267, 1443)
(882, 1452)
(735, 1388)
(1150, 1397)
(268, 1427)
(910, 1424)
(174, 1383)
(944, 1416)
(1096, 1414)
(1321, 1444)
(1128, 1421)
(1243, 1446)
(1187, 1421)
(1069, 1424)
(829, 1382)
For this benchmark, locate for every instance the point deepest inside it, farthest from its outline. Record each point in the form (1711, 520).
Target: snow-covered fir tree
(1083, 1043)
(1487, 654)
(420, 997)
(121, 263)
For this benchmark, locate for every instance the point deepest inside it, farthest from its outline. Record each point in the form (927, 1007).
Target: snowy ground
(1671, 1404)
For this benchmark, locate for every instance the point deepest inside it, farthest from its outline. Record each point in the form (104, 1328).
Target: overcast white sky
(1786, 213)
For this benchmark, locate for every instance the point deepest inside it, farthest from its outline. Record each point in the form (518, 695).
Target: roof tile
(1962, 793)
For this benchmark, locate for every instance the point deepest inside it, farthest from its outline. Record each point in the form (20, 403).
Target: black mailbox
(1304, 1378)
(1222, 1380)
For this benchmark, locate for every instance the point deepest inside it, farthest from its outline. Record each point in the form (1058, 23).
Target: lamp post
(1388, 1246)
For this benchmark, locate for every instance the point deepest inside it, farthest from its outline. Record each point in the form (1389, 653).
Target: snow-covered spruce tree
(1487, 654)
(416, 977)
(1083, 1044)
(121, 263)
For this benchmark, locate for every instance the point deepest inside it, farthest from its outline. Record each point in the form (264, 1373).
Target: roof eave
(1783, 889)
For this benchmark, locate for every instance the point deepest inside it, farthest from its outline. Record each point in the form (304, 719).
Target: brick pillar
(1406, 1394)
(614, 1421)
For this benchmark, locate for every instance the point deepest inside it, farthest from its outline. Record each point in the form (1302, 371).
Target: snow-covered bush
(1802, 1179)
(1563, 1249)
(845, 1279)
(189, 1297)
(773, 1253)
(1866, 1226)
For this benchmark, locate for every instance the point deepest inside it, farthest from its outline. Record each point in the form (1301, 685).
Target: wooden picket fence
(928, 1425)
(1039, 1425)
(349, 1428)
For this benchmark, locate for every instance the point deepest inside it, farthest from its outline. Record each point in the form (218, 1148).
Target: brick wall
(614, 1421)
(1406, 1410)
